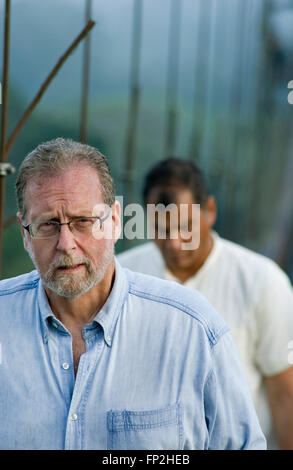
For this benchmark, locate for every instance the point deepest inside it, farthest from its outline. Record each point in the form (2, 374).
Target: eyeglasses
(80, 226)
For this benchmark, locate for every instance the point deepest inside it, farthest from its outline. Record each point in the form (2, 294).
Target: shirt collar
(106, 317)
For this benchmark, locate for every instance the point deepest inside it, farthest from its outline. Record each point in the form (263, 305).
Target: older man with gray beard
(98, 357)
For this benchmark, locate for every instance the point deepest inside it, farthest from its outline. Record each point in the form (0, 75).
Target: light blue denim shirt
(160, 371)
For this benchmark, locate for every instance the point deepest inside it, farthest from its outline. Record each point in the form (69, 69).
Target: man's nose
(66, 240)
(174, 243)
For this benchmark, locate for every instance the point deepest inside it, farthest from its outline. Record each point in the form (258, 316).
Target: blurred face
(183, 263)
(70, 263)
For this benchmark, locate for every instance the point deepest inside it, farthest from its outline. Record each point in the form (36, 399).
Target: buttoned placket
(60, 350)
(75, 428)
(73, 389)
(76, 390)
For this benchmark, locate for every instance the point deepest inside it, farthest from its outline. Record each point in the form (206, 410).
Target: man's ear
(23, 234)
(116, 221)
(210, 211)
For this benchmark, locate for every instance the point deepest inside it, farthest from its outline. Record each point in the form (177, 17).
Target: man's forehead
(171, 195)
(69, 179)
(72, 187)
(74, 174)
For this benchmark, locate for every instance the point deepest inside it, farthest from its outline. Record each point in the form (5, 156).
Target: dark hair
(176, 173)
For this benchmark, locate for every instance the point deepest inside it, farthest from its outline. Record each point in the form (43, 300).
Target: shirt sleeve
(230, 415)
(274, 316)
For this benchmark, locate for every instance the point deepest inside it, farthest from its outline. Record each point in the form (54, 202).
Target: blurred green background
(204, 79)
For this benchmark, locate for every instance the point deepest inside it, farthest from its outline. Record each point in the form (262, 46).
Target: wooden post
(4, 119)
(45, 85)
(85, 78)
(279, 241)
(261, 129)
(231, 178)
(134, 101)
(203, 40)
(129, 158)
(172, 77)
(6, 145)
(206, 140)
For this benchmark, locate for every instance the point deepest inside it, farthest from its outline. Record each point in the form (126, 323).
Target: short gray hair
(59, 154)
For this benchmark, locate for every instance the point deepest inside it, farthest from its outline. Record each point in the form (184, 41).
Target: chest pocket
(145, 430)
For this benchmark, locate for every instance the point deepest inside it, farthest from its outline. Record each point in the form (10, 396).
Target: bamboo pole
(45, 85)
(129, 150)
(5, 77)
(6, 146)
(232, 163)
(280, 238)
(173, 77)
(85, 78)
(263, 94)
(207, 138)
(4, 117)
(134, 101)
(203, 41)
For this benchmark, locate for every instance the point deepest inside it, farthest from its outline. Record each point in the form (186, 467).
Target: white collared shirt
(255, 298)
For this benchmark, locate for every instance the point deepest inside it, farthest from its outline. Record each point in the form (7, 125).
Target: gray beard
(69, 285)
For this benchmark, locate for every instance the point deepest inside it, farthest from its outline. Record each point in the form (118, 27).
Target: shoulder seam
(156, 298)
(28, 285)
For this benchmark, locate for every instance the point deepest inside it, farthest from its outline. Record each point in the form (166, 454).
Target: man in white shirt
(250, 291)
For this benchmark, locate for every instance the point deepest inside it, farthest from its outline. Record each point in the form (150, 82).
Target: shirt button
(65, 365)
(74, 417)
(55, 325)
(108, 339)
